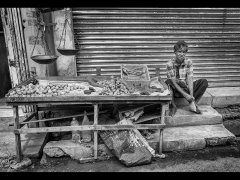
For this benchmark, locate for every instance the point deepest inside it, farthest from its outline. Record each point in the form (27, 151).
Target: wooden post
(167, 110)
(162, 121)
(98, 71)
(36, 116)
(95, 132)
(17, 135)
(157, 71)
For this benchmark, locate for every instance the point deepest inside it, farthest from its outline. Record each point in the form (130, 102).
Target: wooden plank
(64, 117)
(95, 132)
(88, 127)
(27, 119)
(145, 118)
(103, 102)
(85, 99)
(62, 78)
(134, 109)
(60, 107)
(98, 71)
(37, 115)
(164, 107)
(162, 121)
(17, 136)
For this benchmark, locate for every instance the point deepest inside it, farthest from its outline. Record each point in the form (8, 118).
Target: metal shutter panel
(109, 37)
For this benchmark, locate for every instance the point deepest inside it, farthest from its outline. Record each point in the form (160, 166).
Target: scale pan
(44, 59)
(68, 52)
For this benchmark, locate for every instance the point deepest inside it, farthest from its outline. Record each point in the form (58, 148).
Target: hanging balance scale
(48, 58)
(67, 51)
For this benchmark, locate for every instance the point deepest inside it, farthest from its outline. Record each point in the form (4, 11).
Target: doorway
(5, 80)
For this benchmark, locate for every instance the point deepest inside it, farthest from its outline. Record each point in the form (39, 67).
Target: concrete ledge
(224, 96)
(184, 117)
(193, 137)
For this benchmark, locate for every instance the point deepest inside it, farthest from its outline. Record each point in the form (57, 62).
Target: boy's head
(180, 50)
(180, 45)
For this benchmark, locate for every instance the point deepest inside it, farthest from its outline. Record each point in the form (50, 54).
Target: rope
(35, 41)
(64, 30)
(66, 21)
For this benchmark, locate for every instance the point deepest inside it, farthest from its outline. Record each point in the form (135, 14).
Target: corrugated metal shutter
(109, 37)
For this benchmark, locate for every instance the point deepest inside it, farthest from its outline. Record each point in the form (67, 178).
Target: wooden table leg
(17, 136)
(95, 132)
(36, 116)
(167, 110)
(162, 121)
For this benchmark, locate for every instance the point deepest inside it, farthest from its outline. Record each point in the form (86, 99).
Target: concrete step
(32, 144)
(184, 117)
(193, 137)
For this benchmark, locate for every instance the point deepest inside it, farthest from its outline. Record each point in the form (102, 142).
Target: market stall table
(70, 101)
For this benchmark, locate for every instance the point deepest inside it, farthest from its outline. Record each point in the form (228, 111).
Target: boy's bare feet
(194, 108)
(198, 111)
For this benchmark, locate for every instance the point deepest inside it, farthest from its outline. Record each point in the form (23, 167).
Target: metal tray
(44, 59)
(68, 52)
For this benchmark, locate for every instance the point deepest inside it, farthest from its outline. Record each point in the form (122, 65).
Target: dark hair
(180, 44)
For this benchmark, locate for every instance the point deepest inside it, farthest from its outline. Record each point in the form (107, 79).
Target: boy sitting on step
(180, 79)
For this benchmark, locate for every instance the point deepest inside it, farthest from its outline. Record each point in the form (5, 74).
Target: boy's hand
(190, 98)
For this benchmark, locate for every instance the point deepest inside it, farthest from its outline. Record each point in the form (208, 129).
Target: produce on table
(87, 91)
(50, 89)
(115, 86)
(92, 89)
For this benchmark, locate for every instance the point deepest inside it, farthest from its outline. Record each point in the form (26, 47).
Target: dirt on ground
(212, 159)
